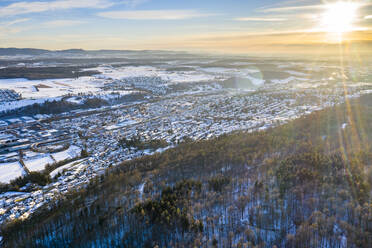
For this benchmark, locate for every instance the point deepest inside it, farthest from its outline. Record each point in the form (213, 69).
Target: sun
(339, 17)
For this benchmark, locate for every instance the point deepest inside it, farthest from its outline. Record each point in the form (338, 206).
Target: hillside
(304, 184)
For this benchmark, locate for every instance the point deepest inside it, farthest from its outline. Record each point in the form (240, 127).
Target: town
(76, 146)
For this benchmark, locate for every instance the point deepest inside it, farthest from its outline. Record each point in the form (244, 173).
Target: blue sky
(230, 25)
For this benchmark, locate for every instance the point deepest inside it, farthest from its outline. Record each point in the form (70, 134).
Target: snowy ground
(150, 71)
(70, 153)
(38, 163)
(64, 167)
(25, 102)
(121, 124)
(39, 91)
(10, 171)
(288, 80)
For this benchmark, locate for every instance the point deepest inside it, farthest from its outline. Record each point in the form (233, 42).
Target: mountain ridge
(13, 51)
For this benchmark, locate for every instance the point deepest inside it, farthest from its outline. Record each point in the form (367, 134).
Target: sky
(232, 26)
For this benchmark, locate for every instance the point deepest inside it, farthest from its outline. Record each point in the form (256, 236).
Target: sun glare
(339, 17)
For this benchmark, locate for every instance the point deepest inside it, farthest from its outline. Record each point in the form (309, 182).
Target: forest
(36, 73)
(62, 106)
(141, 144)
(306, 183)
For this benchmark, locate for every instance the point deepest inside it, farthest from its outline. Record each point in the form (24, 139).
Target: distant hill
(12, 51)
(33, 51)
(70, 51)
(21, 51)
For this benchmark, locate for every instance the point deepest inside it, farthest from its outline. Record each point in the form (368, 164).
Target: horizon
(332, 50)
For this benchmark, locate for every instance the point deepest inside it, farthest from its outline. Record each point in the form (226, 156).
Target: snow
(39, 163)
(9, 155)
(231, 71)
(10, 171)
(242, 63)
(51, 88)
(297, 73)
(309, 85)
(284, 65)
(6, 106)
(64, 167)
(40, 91)
(140, 189)
(115, 94)
(74, 100)
(160, 150)
(343, 241)
(14, 120)
(219, 70)
(8, 82)
(40, 116)
(121, 124)
(70, 153)
(28, 119)
(255, 81)
(287, 80)
(3, 123)
(79, 167)
(150, 71)
(366, 91)
(12, 194)
(106, 95)
(253, 74)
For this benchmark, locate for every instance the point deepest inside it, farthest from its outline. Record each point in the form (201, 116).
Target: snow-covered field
(121, 124)
(25, 102)
(150, 71)
(288, 80)
(297, 73)
(49, 88)
(38, 163)
(10, 171)
(35, 162)
(39, 91)
(231, 71)
(70, 153)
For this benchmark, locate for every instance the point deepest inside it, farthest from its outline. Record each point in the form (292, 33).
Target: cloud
(261, 19)
(20, 8)
(63, 23)
(154, 14)
(291, 8)
(297, 8)
(275, 42)
(134, 3)
(13, 22)
(11, 27)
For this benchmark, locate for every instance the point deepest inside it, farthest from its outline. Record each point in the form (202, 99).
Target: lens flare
(339, 17)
